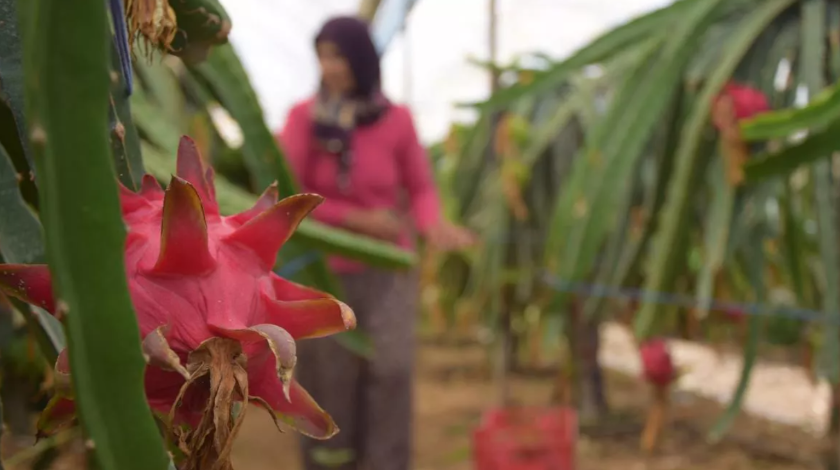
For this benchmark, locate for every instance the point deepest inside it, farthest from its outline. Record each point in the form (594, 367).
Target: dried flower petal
(154, 20)
(160, 354)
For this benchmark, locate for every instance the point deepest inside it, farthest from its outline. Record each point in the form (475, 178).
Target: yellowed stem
(656, 419)
(734, 149)
(535, 356)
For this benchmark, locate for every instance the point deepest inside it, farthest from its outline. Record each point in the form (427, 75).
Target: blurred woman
(350, 144)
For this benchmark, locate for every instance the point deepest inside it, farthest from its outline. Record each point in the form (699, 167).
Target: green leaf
(68, 63)
(226, 77)
(125, 143)
(793, 247)
(201, 25)
(11, 72)
(716, 235)
(1, 420)
(812, 73)
(621, 137)
(816, 146)
(161, 87)
(328, 458)
(21, 242)
(755, 268)
(343, 243)
(20, 232)
(602, 48)
(356, 341)
(665, 242)
(823, 110)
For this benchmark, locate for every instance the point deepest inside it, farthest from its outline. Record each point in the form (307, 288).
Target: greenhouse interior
(426, 234)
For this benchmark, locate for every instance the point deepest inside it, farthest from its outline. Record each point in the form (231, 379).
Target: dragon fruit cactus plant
(218, 326)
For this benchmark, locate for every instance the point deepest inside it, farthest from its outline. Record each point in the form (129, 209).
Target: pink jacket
(390, 170)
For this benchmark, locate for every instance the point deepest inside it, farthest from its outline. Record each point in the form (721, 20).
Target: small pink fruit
(218, 326)
(735, 315)
(657, 366)
(746, 101)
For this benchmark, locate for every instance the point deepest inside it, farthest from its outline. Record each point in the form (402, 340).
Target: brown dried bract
(734, 149)
(154, 20)
(219, 364)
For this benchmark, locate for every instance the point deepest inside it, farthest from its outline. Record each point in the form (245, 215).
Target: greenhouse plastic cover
(275, 41)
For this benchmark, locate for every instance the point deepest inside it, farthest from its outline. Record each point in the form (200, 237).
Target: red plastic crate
(526, 439)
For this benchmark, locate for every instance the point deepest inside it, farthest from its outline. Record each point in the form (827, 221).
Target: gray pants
(370, 400)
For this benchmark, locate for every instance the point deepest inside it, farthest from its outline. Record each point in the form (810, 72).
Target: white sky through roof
(274, 41)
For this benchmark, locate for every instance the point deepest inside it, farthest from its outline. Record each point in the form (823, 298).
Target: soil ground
(453, 390)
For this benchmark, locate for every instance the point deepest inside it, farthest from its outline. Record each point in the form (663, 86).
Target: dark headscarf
(335, 120)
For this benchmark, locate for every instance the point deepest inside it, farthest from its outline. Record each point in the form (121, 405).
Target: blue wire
(600, 290)
(121, 40)
(682, 300)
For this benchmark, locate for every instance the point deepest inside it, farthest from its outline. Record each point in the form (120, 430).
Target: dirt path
(451, 395)
(453, 391)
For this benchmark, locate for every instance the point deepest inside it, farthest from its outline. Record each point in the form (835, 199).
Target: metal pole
(408, 80)
(502, 300)
(367, 9)
(492, 45)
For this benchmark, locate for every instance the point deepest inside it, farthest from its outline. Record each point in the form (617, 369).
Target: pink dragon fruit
(217, 324)
(746, 102)
(657, 366)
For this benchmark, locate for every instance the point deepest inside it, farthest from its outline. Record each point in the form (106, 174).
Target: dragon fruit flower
(218, 326)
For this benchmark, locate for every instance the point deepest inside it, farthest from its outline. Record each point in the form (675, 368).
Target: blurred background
(425, 49)
(654, 187)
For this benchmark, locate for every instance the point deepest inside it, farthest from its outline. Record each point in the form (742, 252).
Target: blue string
(601, 290)
(683, 300)
(121, 41)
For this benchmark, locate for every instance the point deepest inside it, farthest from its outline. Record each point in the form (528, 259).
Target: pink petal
(162, 385)
(264, 203)
(131, 201)
(287, 290)
(184, 248)
(150, 188)
(162, 388)
(160, 354)
(191, 168)
(298, 411)
(61, 374)
(267, 232)
(210, 178)
(28, 282)
(59, 414)
(310, 318)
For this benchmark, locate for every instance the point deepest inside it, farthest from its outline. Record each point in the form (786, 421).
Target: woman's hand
(446, 236)
(377, 223)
